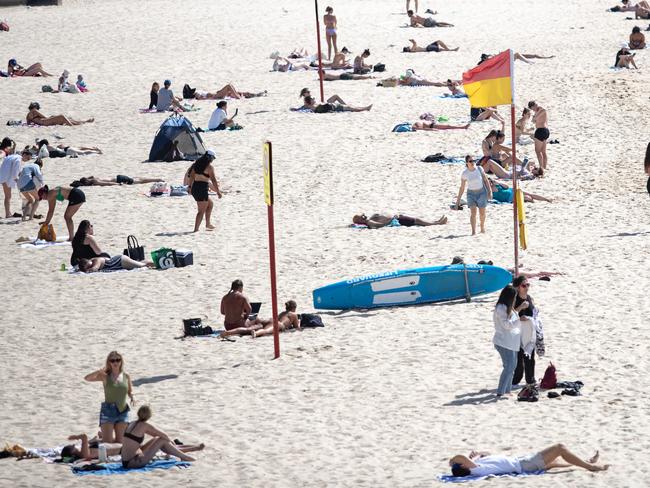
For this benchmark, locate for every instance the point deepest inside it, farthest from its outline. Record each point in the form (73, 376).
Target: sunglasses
(115, 360)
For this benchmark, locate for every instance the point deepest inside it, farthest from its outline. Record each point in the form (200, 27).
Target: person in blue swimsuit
(503, 193)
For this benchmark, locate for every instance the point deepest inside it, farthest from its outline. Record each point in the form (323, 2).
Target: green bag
(163, 258)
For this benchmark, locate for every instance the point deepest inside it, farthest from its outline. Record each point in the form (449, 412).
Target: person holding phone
(219, 119)
(479, 192)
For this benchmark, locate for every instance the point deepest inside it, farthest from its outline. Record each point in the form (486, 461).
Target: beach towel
(38, 244)
(116, 468)
(75, 271)
(450, 96)
(447, 478)
(403, 127)
(393, 223)
(451, 160)
(20, 123)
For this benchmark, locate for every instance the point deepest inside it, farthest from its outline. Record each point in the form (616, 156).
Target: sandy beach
(377, 398)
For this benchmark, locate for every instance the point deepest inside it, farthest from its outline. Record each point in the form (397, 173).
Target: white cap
(210, 152)
(625, 45)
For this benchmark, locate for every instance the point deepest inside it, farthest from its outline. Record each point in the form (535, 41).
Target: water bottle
(102, 454)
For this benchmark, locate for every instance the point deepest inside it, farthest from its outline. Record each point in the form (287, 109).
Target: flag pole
(320, 56)
(514, 163)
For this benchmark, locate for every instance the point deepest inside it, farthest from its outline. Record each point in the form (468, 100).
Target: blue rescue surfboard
(412, 286)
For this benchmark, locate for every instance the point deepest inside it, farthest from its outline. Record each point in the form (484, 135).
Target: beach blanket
(447, 478)
(451, 160)
(74, 270)
(37, 244)
(116, 468)
(20, 123)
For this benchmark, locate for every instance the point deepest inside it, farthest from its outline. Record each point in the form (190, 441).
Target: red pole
(274, 293)
(320, 56)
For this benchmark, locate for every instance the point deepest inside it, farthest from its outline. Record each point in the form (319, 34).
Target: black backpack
(434, 158)
(193, 327)
(311, 320)
(188, 92)
(379, 67)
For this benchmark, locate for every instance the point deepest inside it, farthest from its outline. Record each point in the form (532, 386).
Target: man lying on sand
(376, 221)
(556, 456)
(417, 21)
(227, 91)
(236, 310)
(435, 46)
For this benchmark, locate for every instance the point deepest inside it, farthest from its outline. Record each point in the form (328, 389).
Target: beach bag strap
(132, 242)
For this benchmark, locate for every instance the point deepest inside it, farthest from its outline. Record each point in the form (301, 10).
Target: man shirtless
(236, 310)
(377, 221)
(541, 135)
(417, 21)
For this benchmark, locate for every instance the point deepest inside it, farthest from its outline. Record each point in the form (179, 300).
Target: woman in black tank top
(84, 245)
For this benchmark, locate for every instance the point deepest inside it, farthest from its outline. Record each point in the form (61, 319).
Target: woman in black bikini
(136, 455)
(75, 198)
(201, 174)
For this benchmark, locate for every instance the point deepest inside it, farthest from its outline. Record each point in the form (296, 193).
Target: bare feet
(442, 220)
(594, 458)
(210, 227)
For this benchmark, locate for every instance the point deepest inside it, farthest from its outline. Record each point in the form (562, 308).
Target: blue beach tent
(176, 129)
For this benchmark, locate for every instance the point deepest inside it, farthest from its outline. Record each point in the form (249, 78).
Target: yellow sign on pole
(267, 162)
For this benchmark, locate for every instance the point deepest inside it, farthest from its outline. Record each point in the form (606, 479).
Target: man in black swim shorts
(541, 135)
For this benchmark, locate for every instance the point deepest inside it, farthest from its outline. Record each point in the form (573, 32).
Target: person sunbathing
(278, 65)
(642, 10)
(477, 114)
(411, 79)
(286, 320)
(43, 149)
(115, 263)
(377, 221)
(227, 91)
(624, 58)
(454, 88)
(236, 310)
(499, 171)
(135, 454)
(518, 56)
(36, 69)
(333, 99)
(435, 46)
(626, 7)
(117, 181)
(37, 118)
(310, 106)
(417, 21)
(494, 149)
(502, 193)
(338, 62)
(345, 76)
(433, 125)
(555, 456)
(637, 39)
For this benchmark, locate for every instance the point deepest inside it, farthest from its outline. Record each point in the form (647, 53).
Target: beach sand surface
(378, 398)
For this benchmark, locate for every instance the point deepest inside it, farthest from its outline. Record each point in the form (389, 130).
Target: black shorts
(345, 76)
(200, 191)
(76, 197)
(474, 112)
(124, 180)
(405, 221)
(542, 134)
(433, 47)
(57, 153)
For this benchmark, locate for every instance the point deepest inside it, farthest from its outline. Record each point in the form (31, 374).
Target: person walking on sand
(478, 192)
(329, 19)
(408, 5)
(9, 171)
(236, 310)
(555, 456)
(541, 134)
(507, 335)
(114, 413)
(30, 180)
(201, 174)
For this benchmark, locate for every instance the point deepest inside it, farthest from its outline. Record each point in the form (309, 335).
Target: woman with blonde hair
(135, 454)
(114, 412)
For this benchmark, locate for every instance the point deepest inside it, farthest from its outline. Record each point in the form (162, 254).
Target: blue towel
(116, 468)
(450, 96)
(447, 478)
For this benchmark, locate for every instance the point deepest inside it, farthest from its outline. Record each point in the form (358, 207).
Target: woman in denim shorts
(114, 412)
(478, 192)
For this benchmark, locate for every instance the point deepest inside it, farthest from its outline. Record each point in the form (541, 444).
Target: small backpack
(188, 92)
(434, 158)
(46, 233)
(193, 327)
(550, 378)
(528, 393)
(379, 67)
(404, 127)
(311, 320)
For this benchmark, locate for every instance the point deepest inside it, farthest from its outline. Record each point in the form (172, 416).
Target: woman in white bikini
(329, 19)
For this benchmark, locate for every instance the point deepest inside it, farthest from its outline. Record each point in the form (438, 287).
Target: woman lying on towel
(433, 125)
(117, 181)
(43, 149)
(37, 118)
(116, 263)
(556, 456)
(36, 69)
(226, 91)
(376, 221)
(135, 454)
(286, 320)
(435, 46)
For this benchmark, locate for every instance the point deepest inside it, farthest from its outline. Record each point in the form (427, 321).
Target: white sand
(379, 398)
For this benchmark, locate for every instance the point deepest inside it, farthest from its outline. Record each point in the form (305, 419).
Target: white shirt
(507, 332)
(474, 179)
(9, 170)
(495, 465)
(217, 118)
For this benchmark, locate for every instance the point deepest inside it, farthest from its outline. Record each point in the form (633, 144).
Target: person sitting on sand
(477, 114)
(84, 245)
(624, 58)
(286, 320)
(521, 127)
(36, 69)
(167, 99)
(555, 456)
(227, 91)
(360, 67)
(64, 85)
(417, 21)
(236, 310)
(494, 149)
(502, 193)
(377, 221)
(30, 180)
(115, 263)
(288, 65)
(117, 181)
(81, 84)
(637, 39)
(310, 106)
(410, 78)
(219, 119)
(454, 88)
(642, 10)
(135, 454)
(338, 62)
(153, 95)
(433, 125)
(75, 197)
(435, 46)
(37, 118)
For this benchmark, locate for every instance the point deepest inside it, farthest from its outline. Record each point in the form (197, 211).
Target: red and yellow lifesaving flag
(490, 83)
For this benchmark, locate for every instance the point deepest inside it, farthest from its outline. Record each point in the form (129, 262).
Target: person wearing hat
(201, 175)
(166, 99)
(624, 58)
(36, 69)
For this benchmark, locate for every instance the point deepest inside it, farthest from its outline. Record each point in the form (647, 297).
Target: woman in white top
(9, 170)
(478, 192)
(507, 335)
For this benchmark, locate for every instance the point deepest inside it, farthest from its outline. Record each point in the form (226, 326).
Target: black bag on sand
(188, 92)
(528, 393)
(434, 158)
(134, 250)
(193, 327)
(379, 67)
(311, 320)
